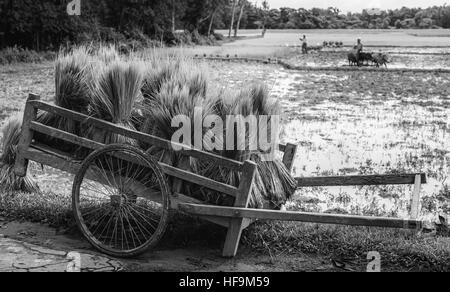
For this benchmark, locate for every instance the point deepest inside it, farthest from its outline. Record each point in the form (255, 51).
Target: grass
(14, 55)
(400, 250)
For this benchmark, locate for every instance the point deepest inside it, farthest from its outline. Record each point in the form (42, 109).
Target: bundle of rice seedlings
(170, 102)
(73, 74)
(8, 180)
(179, 71)
(273, 184)
(116, 91)
(173, 86)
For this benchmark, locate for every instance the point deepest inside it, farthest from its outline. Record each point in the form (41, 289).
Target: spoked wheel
(121, 200)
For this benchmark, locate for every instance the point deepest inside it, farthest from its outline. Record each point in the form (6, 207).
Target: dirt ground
(24, 240)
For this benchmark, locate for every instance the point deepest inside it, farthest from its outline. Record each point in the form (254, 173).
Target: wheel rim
(121, 207)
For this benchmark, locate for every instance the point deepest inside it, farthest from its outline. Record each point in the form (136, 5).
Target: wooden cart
(121, 196)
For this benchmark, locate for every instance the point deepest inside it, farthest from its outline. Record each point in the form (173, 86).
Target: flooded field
(406, 58)
(350, 123)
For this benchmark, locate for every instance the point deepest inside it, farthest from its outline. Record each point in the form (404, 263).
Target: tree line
(45, 24)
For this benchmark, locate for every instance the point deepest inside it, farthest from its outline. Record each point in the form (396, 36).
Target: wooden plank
(199, 180)
(26, 136)
(238, 224)
(398, 179)
(167, 169)
(233, 212)
(152, 140)
(415, 198)
(65, 136)
(184, 164)
(289, 156)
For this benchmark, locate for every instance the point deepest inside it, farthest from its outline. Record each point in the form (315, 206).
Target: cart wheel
(121, 200)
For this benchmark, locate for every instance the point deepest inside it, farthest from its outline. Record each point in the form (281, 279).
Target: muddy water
(348, 124)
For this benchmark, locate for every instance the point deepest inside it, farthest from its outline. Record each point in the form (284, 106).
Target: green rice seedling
(116, 91)
(8, 180)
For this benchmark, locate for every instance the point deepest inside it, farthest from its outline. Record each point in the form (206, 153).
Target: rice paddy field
(345, 122)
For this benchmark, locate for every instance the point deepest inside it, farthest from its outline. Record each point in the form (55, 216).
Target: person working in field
(359, 48)
(304, 45)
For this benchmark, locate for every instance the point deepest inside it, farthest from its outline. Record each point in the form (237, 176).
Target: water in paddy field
(368, 123)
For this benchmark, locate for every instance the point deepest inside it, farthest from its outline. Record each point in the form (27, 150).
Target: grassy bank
(16, 55)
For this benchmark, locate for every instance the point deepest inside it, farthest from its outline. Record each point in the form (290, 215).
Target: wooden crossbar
(233, 212)
(360, 180)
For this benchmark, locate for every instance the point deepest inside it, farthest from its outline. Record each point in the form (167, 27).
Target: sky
(355, 5)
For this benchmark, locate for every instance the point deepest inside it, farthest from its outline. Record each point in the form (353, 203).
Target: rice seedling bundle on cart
(117, 142)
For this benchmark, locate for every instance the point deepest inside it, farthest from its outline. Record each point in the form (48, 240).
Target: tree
(233, 12)
(243, 4)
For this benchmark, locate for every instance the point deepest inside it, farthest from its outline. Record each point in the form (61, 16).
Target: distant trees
(332, 18)
(45, 24)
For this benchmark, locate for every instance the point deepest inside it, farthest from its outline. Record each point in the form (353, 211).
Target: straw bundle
(273, 184)
(73, 74)
(8, 180)
(169, 91)
(115, 93)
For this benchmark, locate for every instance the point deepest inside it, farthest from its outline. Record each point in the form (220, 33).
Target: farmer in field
(304, 45)
(359, 48)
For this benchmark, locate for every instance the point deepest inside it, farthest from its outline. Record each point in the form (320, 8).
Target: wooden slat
(289, 156)
(232, 212)
(238, 224)
(398, 179)
(232, 164)
(199, 180)
(65, 136)
(415, 198)
(26, 136)
(169, 170)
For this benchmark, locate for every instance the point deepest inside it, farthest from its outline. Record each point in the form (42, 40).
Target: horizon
(355, 5)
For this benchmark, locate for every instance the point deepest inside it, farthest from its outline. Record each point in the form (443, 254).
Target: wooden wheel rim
(120, 200)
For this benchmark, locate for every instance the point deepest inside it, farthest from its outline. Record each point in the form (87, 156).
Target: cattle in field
(365, 57)
(380, 59)
(353, 59)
